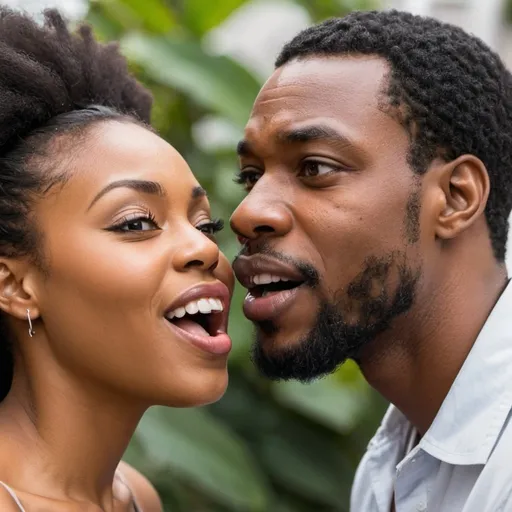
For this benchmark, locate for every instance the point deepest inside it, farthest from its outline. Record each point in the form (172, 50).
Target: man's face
(330, 224)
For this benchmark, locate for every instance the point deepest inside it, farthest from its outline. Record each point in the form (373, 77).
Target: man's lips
(247, 267)
(273, 286)
(269, 307)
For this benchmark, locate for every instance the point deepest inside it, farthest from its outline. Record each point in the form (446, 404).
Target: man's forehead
(343, 88)
(345, 74)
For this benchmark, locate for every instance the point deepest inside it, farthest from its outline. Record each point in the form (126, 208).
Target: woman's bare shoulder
(145, 494)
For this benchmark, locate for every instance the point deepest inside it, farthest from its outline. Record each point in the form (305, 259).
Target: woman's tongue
(191, 327)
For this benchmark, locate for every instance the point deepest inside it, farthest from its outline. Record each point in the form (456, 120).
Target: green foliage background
(264, 447)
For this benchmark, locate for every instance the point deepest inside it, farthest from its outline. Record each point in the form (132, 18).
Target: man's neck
(415, 364)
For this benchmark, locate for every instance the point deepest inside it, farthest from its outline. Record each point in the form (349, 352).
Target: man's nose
(262, 212)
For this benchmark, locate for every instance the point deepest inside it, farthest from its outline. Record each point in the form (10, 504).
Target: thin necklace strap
(13, 495)
(22, 509)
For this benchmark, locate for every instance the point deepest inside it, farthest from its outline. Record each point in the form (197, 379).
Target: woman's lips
(219, 344)
(213, 339)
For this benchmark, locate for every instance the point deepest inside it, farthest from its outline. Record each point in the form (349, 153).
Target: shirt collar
(469, 422)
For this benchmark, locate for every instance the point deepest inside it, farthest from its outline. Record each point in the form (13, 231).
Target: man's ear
(464, 189)
(17, 289)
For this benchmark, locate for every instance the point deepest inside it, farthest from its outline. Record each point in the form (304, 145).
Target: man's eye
(247, 178)
(312, 168)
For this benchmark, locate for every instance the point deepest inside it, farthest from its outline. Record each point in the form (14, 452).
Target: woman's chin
(204, 390)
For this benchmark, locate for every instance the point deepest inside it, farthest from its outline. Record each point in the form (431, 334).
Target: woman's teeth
(204, 306)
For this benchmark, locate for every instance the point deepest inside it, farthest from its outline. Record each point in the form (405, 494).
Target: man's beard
(334, 338)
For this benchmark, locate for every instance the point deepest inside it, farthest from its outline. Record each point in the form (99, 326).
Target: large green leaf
(155, 14)
(322, 9)
(199, 449)
(325, 401)
(216, 83)
(308, 465)
(152, 15)
(202, 16)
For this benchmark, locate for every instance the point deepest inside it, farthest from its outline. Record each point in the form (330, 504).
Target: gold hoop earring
(31, 331)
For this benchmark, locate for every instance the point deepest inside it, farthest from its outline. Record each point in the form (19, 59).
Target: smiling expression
(136, 292)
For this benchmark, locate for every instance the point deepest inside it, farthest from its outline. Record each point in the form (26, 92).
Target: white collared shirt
(464, 461)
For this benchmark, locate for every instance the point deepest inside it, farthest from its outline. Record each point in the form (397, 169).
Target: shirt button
(421, 507)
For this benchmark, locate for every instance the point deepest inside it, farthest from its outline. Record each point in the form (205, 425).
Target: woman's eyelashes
(211, 227)
(137, 222)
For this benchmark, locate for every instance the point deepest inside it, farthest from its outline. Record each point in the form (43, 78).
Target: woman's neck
(64, 437)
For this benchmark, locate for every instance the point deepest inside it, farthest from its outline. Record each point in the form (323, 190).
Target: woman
(113, 293)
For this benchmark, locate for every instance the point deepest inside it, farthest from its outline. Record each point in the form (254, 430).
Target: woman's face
(129, 248)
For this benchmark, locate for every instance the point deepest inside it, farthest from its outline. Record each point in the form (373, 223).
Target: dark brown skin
(336, 220)
(103, 353)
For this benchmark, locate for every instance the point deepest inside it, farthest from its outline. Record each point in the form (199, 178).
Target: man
(378, 167)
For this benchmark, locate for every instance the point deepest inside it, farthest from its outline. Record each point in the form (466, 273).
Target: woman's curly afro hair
(53, 83)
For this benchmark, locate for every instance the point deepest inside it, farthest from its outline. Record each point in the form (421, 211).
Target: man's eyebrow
(314, 132)
(303, 134)
(143, 186)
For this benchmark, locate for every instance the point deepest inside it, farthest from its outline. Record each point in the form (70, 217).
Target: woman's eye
(311, 168)
(139, 223)
(247, 178)
(212, 227)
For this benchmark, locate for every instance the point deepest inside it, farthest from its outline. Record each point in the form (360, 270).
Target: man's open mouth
(267, 284)
(273, 285)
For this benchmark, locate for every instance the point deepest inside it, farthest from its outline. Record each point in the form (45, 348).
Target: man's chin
(291, 362)
(285, 349)
(280, 335)
(280, 357)
(289, 350)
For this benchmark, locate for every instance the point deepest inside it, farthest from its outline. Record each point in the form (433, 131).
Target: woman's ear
(464, 183)
(17, 289)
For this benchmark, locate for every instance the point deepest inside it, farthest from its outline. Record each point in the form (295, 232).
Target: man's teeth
(204, 306)
(267, 279)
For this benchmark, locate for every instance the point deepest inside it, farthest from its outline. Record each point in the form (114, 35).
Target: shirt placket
(412, 482)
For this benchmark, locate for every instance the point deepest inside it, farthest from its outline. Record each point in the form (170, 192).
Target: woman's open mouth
(202, 319)
(198, 317)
